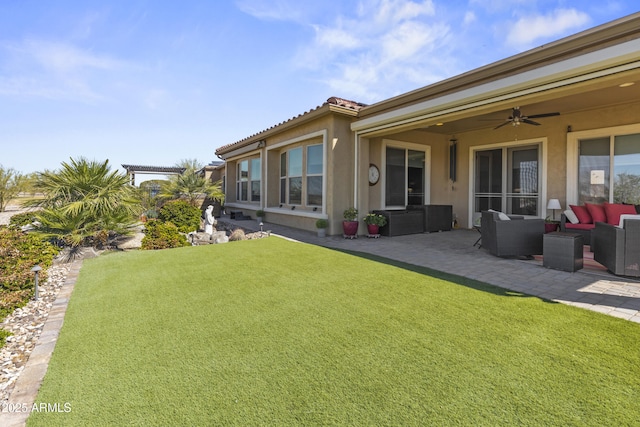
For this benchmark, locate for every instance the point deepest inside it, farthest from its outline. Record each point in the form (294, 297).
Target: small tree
(11, 184)
(191, 185)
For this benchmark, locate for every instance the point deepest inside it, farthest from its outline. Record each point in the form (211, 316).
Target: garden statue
(209, 220)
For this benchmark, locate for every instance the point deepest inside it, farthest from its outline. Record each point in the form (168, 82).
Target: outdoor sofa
(582, 219)
(511, 235)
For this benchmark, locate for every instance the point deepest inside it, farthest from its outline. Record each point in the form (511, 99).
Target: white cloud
(279, 10)
(528, 29)
(52, 70)
(386, 39)
(469, 17)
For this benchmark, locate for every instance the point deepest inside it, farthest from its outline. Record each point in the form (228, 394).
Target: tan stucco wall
(457, 194)
(338, 194)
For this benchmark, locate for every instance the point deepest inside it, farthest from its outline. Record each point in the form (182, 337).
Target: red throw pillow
(597, 212)
(614, 210)
(582, 213)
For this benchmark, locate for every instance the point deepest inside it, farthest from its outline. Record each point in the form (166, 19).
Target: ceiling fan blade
(537, 116)
(502, 124)
(530, 122)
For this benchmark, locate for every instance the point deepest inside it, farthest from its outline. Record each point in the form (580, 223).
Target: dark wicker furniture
(436, 217)
(563, 251)
(618, 249)
(583, 229)
(402, 222)
(515, 237)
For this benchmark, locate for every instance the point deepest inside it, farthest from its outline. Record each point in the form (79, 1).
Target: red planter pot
(373, 229)
(350, 228)
(550, 227)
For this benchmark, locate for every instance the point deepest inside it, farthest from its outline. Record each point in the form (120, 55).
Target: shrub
(322, 223)
(22, 219)
(162, 235)
(19, 253)
(237, 234)
(183, 215)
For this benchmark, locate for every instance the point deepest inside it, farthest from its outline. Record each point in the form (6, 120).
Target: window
(609, 169)
(255, 180)
(295, 176)
(243, 178)
(314, 175)
(301, 176)
(248, 180)
(405, 177)
(507, 179)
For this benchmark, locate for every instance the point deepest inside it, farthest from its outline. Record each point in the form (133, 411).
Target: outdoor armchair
(618, 249)
(513, 237)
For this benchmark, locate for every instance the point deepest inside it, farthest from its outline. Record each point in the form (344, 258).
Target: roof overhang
(558, 76)
(590, 63)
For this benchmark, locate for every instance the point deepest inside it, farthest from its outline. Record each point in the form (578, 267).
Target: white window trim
(542, 142)
(322, 213)
(573, 153)
(427, 169)
(307, 174)
(238, 204)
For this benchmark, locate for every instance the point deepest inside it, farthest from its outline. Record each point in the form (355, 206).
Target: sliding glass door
(507, 179)
(404, 177)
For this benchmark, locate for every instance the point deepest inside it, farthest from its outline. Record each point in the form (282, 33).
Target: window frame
(245, 184)
(573, 154)
(406, 146)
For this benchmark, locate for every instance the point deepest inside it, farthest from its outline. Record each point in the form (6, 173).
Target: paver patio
(453, 252)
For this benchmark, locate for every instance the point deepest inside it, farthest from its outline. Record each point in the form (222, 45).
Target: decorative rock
(26, 324)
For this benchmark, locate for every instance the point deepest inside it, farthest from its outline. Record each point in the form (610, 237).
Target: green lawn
(271, 332)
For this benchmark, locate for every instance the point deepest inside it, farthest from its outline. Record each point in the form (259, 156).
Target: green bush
(162, 235)
(19, 253)
(183, 215)
(22, 219)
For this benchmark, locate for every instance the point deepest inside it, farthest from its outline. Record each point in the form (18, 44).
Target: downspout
(355, 170)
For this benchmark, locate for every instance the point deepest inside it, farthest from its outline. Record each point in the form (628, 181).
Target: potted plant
(350, 223)
(322, 225)
(550, 225)
(259, 215)
(374, 222)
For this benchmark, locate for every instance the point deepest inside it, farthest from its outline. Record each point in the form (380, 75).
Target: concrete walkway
(453, 252)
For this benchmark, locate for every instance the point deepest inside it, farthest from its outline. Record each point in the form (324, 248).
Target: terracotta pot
(373, 229)
(350, 228)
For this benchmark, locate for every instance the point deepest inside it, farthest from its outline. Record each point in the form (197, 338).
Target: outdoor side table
(562, 251)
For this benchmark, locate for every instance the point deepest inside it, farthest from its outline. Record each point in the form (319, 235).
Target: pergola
(160, 170)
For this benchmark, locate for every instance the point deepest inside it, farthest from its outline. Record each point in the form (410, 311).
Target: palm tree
(191, 185)
(86, 203)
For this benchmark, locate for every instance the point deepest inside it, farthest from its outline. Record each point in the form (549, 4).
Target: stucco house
(560, 121)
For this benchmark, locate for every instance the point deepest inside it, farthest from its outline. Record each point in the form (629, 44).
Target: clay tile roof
(346, 103)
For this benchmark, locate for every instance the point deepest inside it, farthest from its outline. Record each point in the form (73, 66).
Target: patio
(454, 252)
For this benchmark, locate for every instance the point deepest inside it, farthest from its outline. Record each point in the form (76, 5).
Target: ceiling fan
(517, 117)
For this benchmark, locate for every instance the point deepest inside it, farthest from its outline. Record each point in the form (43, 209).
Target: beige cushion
(571, 216)
(503, 216)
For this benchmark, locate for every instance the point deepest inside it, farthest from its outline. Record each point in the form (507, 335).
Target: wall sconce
(453, 158)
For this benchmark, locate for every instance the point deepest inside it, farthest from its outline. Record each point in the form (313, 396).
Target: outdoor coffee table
(562, 251)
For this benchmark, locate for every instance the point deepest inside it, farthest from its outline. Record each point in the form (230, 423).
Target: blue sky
(154, 82)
